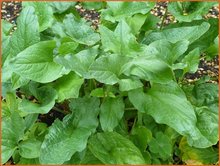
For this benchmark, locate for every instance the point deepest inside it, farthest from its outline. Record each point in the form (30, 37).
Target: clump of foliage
(119, 89)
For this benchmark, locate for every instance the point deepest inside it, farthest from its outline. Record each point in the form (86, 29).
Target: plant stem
(163, 19)
(130, 109)
(59, 110)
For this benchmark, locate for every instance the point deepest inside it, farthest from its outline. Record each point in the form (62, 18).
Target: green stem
(130, 109)
(163, 19)
(59, 110)
(139, 121)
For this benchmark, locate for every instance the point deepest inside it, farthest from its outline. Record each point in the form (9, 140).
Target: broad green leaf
(170, 52)
(68, 86)
(141, 136)
(5, 33)
(190, 33)
(121, 41)
(60, 7)
(150, 23)
(80, 30)
(213, 50)
(112, 148)
(198, 156)
(12, 132)
(112, 111)
(129, 84)
(148, 68)
(93, 5)
(36, 63)
(107, 69)
(62, 141)
(67, 47)
(18, 81)
(191, 61)
(136, 22)
(79, 62)
(207, 123)
(44, 13)
(24, 161)
(46, 97)
(27, 32)
(99, 92)
(117, 11)
(167, 104)
(188, 11)
(29, 148)
(161, 145)
(86, 111)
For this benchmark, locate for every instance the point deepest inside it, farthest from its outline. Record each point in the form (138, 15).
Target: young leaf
(112, 148)
(112, 111)
(121, 41)
(129, 84)
(44, 14)
(36, 63)
(68, 86)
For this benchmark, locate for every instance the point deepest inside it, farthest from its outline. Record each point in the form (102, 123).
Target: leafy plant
(116, 94)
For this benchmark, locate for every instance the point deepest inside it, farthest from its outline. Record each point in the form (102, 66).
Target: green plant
(118, 90)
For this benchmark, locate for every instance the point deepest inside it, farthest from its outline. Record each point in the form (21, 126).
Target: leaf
(150, 23)
(24, 161)
(141, 136)
(93, 5)
(129, 84)
(136, 22)
(46, 97)
(112, 148)
(29, 148)
(170, 52)
(60, 7)
(79, 62)
(44, 13)
(36, 63)
(193, 155)
(62, 142)
(86, 111)
(112, 111)
(117, 11)
(192, 61)
(5, 32)
(80, 31)
(107, 69)
(121, 41)
(12, 132)
(161, 145)
(68, 86)
(27, 32)
(188, 11)
(67, 47)
(174, 35)
(148, 68)
(18, 81)
(167, 104)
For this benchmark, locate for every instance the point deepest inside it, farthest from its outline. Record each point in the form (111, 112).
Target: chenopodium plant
(119, 89)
